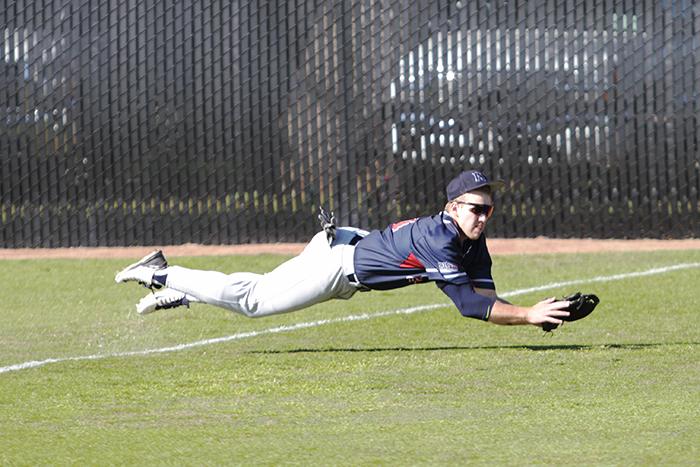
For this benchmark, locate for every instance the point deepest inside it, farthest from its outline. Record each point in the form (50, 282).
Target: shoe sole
(150, 307)
(152, 304)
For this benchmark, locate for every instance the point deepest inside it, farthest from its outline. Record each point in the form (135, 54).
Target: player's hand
(547, 311)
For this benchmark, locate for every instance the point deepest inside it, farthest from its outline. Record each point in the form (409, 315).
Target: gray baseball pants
(318, 274)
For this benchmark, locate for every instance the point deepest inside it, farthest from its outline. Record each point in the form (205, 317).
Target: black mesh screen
(152, 122)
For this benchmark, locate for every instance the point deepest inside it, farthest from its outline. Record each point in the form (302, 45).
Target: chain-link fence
(128, 122)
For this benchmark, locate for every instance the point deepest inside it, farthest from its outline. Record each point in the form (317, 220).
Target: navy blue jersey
(427, 249)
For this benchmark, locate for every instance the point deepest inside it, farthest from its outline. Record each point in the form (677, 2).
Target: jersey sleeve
(468, 302)
(478, 267)
(441, 258)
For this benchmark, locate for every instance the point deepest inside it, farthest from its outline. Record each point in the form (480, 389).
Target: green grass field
(621, 387)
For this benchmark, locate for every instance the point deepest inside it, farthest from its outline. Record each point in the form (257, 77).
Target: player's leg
(211, 287)
(314, 276)
(228, 291)
(151, 271)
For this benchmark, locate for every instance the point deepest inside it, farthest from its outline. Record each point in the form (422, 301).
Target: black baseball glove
(581, 305)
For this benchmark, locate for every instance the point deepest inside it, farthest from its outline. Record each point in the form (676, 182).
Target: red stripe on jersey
(412, 262)
(396, 226)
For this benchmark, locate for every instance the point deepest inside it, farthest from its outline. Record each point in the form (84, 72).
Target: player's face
(472, 211)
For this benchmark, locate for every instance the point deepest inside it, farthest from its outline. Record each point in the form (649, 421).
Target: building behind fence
(125, 122)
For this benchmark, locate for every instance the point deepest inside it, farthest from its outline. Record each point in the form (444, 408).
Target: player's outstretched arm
(546, 311)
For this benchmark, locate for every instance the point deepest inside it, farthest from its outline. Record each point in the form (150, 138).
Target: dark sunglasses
(479, 209)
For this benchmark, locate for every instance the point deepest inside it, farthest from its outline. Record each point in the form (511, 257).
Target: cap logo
(478, 177)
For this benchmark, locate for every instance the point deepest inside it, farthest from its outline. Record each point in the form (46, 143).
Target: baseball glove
(581, 305)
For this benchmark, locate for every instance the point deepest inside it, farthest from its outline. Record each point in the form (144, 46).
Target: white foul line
(361, 317)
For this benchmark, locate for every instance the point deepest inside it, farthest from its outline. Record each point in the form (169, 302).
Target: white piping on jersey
(454, 275)
(483, 280)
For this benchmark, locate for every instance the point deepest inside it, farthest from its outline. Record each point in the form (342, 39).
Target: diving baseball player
(448, 248)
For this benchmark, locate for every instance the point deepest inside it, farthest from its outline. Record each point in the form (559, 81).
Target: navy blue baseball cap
(470, 180)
